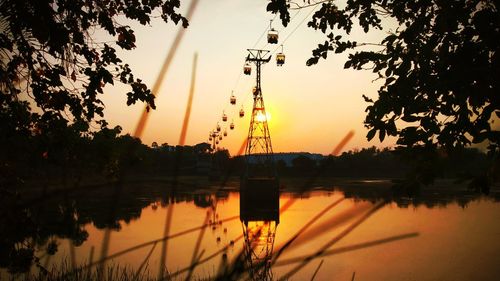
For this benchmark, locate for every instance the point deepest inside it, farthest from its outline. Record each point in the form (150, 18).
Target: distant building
(287, 157)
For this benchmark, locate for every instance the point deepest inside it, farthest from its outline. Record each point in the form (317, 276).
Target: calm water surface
(431, 241)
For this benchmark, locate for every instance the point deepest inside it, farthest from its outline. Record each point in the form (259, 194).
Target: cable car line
(258, 40)
(291, 20)
(263, 33)
(295, 29)
(273, 34)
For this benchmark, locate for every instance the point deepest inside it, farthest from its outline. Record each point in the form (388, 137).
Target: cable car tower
(259, 150)
(259, 189)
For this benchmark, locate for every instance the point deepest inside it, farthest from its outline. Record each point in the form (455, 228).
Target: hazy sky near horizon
(311, 108)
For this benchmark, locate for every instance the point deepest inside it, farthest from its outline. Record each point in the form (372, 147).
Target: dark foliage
(53, 70)
(52, 73)
(63, 168)
(420, 165)
(440, 64)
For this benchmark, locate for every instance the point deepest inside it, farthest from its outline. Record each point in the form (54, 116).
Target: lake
(342, 234)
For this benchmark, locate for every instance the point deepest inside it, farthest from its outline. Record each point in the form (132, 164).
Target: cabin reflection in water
(259, 215)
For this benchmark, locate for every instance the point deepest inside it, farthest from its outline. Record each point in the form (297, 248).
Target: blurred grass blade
(166, 64)
(331, 223)
(346, 249)
(313, 178)
(330, 243)
(342, 143)
(281, 249)
(187, 114)
(317, 269)
(195, 257)
(180, 271)
(144, 262)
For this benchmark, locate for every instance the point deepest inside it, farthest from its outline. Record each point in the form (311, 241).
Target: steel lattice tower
(259, 150)
(258, 248)
(259, 189)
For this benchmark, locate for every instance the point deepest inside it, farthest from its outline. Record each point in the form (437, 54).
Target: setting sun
(261, 117)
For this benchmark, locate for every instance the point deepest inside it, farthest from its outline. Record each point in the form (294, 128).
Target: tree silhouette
(440, 64)
(303, 165)
(53, 71)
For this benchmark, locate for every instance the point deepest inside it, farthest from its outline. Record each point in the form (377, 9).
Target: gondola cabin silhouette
(280, 57)
(247, 69)
(272, 36)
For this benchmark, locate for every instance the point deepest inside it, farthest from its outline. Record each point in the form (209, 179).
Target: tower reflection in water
(259, 215)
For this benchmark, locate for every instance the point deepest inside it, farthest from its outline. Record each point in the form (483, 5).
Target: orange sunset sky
(311, 108)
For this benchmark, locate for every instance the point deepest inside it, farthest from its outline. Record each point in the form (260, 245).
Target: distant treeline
(70, 158)
(390, 163)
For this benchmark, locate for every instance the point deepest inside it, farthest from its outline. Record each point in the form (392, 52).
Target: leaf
(389, 70)
(480, 137)
(389, 80)
(381, 135)
(348, 64)
(371, 134)
(312, 61)
(410, 118)
(391, 128)
(367, 99)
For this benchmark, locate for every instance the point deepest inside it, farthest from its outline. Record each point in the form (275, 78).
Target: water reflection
(140, 210)
(259, 243)
(259, 215)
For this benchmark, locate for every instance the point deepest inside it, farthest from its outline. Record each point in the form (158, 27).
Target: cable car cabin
(225, 133)
(220, 137)
(272, 36)
(218, 128)
(242, 113)
(247, 69)
(231, 126)
(280, 59)
(224, 117)
(232, 99)
(255, 91)
(210, 138)
(216, 142)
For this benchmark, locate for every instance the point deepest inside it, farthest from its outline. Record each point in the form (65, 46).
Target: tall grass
(112, 272)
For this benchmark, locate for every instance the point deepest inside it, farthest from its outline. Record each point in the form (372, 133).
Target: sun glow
(261, 117)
